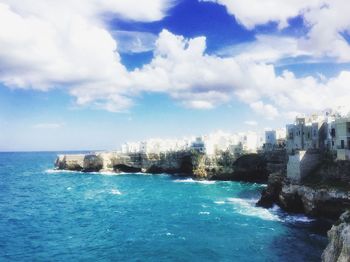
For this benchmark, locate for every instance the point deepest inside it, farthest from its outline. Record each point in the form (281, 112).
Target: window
(333, 132)
(342, 144)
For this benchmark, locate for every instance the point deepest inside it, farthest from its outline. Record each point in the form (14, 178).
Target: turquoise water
(67, 216)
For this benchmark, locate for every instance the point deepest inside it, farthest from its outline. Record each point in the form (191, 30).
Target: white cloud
(251, 13)
(251, 123)
(181, 69)
(134, 42)
(266, 48)
(46, 44)
(266, 110)
(325, 20)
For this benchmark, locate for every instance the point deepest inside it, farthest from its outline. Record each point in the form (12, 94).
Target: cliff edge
(338, 249)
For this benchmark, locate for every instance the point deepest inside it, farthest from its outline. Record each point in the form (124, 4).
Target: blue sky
(111, 72)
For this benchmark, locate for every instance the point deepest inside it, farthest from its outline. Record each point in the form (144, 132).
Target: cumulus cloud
(326, 21)
(266, 110)
(251, 13)
(134, 41)
(266, 48)
(182, 69)
(46, 44)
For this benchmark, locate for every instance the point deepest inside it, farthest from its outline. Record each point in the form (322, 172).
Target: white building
(307, 133)
(275, 139)
(250, 141)
(270, 137)
(342, 138)
(198, 145)
(131, 147)
(210, 144)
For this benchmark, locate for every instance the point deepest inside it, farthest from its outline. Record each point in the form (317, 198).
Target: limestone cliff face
(176, 162)
(338, 249)
(321, 202)
(323, 193)
(222, 166)
(225, 166)
(276, 160)
(79, 162)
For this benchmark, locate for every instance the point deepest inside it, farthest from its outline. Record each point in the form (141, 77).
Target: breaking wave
(116, 192)
(56, 171)
(288, 218)
(106, 173)
(247, 207)
(190, 180)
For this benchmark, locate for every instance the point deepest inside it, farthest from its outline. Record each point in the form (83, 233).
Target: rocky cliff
(175, 162)
(324, 193)
(222, 166)
(270, 195)
(338, 249)
(318, 202)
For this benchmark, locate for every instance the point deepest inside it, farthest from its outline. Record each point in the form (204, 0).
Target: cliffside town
(306, 167)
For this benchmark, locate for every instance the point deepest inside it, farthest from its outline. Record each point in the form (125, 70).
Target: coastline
(294, 198)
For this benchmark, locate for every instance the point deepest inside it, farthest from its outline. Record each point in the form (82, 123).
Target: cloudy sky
(91, 74)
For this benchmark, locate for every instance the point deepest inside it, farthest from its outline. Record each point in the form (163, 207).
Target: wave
(247, 207)
(106, 173)
(288, 218)
(54, 171)
(299, 219)
(204, 213)
(190, 180)
(116, 192)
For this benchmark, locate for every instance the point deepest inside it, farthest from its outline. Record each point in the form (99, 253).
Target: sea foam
(115, 192)
(247, 207)
(56, 171)
(190, 180)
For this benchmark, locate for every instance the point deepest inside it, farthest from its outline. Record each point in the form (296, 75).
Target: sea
(50, 215)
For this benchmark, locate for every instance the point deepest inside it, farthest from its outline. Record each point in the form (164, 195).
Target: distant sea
(48, 215)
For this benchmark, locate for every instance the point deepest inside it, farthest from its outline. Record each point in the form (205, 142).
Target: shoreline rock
(270, 195)
(223, 166)
(338, 249)
(321, 202)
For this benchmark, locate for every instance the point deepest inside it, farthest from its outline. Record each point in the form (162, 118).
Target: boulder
(270, 195)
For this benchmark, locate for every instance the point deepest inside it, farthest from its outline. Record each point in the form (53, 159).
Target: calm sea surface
(47, 215)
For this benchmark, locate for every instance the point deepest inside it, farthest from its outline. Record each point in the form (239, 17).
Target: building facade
(307, 133)
(342, 138)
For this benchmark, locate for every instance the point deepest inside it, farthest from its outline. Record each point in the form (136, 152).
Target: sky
(93, 74)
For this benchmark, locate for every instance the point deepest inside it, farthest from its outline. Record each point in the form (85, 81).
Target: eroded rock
(338, 249)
